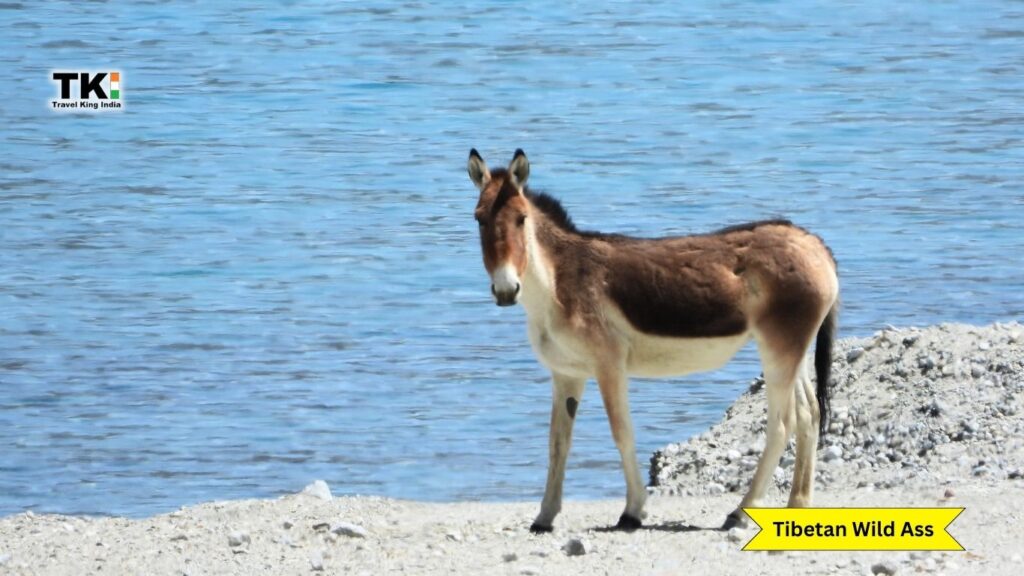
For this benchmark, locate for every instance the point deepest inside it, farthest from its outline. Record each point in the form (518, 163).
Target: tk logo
(95, 90)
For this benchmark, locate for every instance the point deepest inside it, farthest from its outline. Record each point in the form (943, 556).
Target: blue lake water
(265, 269)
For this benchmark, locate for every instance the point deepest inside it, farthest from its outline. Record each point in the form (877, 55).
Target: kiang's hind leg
(807, 420)
(781, 366)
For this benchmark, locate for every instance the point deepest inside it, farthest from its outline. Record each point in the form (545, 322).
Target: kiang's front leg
(565, 398)
(614, 387)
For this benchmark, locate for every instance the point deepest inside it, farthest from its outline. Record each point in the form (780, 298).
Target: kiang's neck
(539, 282)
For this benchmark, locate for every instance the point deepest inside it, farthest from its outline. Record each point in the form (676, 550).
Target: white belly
(657, 356)
(646, 356)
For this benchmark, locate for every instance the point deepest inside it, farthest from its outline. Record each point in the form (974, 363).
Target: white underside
(565, 352)
(657, 356)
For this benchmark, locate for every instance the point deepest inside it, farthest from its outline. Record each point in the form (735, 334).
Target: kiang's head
(501, 213)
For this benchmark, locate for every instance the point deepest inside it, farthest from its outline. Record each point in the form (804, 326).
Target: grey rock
(885, 567)
(714, 488)
(833, 452)
(733, 455)
(237, 539)
(348, 529)
(576, 547)
(854, 353)
(509, 557)
(529, 571)
(977, 371)
(318, 489)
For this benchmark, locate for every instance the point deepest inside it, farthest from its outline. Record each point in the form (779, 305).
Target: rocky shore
(922, 417)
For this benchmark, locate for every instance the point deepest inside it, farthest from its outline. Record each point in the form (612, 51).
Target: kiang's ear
(519, 168)
(477, 169)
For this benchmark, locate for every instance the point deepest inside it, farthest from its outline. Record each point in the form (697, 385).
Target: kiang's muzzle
(505, 286)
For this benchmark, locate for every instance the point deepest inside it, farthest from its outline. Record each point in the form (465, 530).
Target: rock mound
(918, 406)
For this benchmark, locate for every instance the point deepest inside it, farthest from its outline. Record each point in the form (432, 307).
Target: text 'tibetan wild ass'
(607, 306)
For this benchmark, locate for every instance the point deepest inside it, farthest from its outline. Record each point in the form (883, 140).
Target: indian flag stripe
(115, 85)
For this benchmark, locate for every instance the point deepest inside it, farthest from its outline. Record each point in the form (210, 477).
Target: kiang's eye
(521, 220)
(480, 222)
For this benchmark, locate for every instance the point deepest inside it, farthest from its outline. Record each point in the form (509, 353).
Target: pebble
(977, 371)
(887, 568)
(737, 535)
(348, 529)
(236, 539)
(948, 493)
(529, 571)
(287, 524)
(454, 536)
(936, 408)
(714, 488)
(833, 452)
(576, 547)
(733, 455)
(318, 489)
(316, 560)
(509, 557)
(854, 353)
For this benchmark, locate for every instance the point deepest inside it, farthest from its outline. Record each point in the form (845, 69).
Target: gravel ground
(923, 418)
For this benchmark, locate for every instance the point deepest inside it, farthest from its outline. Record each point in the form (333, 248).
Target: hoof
(735, 519)
(540, 528)
(628, 523)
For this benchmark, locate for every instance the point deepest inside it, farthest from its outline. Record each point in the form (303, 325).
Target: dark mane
(554, 210)
(747, 227)
(551, 208)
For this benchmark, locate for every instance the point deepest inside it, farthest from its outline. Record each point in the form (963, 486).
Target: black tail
(823, 366)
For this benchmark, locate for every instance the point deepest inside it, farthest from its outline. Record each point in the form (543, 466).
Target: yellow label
(853, 529)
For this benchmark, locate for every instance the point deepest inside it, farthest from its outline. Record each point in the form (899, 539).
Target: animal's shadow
(662, 527)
